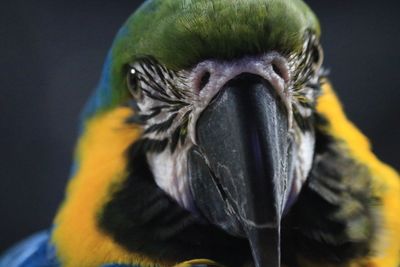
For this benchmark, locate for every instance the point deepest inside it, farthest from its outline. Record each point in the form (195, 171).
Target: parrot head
(224, 92)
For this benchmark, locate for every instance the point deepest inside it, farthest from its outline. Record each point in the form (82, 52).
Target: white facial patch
(303, 159)
(170, 173)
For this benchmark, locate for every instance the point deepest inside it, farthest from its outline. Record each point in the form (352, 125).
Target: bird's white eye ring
(132, 80)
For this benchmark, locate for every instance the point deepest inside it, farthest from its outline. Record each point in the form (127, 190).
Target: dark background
(51, 57)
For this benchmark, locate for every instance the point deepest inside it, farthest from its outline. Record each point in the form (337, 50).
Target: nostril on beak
(277, 70)
(205, 78)
(280, 68)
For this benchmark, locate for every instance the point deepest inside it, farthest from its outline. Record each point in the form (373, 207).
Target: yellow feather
(101, 154)
(386, 182)
(202, 262)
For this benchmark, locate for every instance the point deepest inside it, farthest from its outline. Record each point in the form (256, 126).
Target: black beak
(241, 167)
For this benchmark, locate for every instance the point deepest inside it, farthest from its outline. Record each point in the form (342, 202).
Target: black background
(51, 57)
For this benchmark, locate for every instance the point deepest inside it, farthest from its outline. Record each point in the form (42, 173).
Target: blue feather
(35, 251)
(119, 265)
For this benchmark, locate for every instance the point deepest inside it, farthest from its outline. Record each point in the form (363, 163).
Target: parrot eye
(133, 83)
(318, 55)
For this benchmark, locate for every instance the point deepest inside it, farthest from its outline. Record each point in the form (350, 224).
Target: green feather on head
(182, 33)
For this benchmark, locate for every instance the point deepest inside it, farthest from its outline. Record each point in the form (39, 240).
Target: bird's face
(230, 136)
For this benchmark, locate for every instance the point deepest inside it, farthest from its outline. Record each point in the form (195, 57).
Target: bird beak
(241, 168)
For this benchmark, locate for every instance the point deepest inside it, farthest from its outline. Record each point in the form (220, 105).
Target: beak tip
(266, 248)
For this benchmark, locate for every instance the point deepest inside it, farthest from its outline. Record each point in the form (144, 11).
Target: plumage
(157, 180)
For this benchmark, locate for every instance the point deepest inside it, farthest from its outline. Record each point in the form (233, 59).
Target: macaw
(214, 138)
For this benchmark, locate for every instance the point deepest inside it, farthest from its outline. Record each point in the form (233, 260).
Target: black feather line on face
(176, 92)
(142, 119)
(164, 99)
(161, 85)
(151, 145)
(306, 66)
(155, 111)
(305, 124)
(161, 127)
(160, 72)
(150, 82)
(175, 138)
